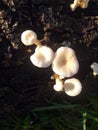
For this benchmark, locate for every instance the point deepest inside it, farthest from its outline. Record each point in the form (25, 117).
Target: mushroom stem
(37, 42)
(58, 83)
(56, 76)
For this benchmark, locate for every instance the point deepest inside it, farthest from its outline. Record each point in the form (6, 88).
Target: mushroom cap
(27, 37)
(94, 67)
(65, 63)
(77, 3)
(42, 57)
(84, 4)
(72, 87)
(58, 86)
(73, 7)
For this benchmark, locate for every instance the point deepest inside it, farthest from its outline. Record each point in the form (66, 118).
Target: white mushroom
(58, 83)
(94, 67)
(72, 87)
(79, 3)
(65, 63)
(42, 57)
(29, 37)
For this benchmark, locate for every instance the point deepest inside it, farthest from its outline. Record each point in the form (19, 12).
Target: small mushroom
(65, 63)
(58, 83)
(28, 36)
(94, 67)
(42, 57)
(79, 3)
(72, 87)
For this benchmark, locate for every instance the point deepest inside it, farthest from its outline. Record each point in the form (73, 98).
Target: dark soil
(24, 86)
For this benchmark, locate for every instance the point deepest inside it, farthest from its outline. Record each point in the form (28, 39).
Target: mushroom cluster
(43, 55)
(64, 63)
(72, 86)
(79, 3)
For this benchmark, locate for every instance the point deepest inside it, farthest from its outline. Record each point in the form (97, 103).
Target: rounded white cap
(42, 57)
(72, 87)
(27, 37)
(65, 63)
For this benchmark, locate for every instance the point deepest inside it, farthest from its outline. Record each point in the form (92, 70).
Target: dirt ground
(24, 86)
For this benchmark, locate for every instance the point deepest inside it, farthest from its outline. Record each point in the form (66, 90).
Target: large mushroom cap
(65, 62)
(42, 57)
(28, 36)
(72, 87)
